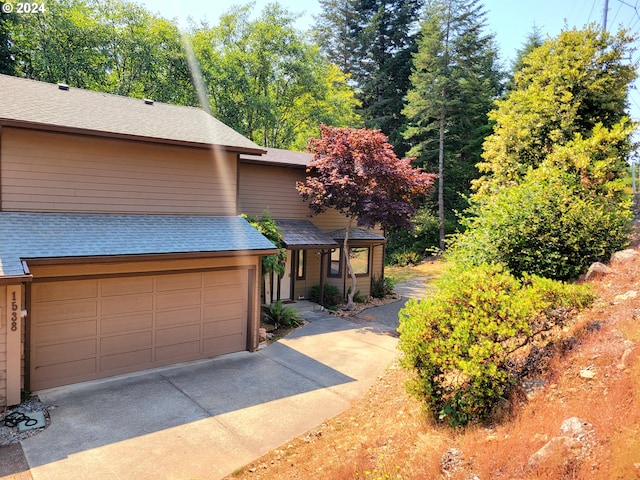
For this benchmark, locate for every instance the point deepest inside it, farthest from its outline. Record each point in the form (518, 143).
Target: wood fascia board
(122, 136)
(148, 257)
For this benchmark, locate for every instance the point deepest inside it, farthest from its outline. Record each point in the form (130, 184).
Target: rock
(451, 461)
(575, 427)
(554, 448)
(588, 373)
(623, 256)
(597, 270)
(623, 361)
(262, 335)
(571, 445)
(625, 296)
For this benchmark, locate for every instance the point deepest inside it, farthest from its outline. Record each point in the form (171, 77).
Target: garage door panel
(170, 336)
(225, 293)
(89, 329)
(125, 343)
(178, 352)
(126, 286)
(231, 277)
(63, 373)
(184, 298)
(168, 283)
(178, 317)
(61, 352)
(127, 304)
(127, 323)
(57, 311)
(127, 361)
(224, 311)
(222, 345)
(222, 328)
(53, 333)
(74, 290)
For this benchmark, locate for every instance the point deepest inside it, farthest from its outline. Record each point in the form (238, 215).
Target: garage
(94, 328)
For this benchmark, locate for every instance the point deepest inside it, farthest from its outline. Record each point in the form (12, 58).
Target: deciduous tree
(357, 173)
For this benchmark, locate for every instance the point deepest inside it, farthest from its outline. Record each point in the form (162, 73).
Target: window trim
(368, 250)
(330, 263)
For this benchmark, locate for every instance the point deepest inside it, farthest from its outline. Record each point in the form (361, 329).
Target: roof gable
(45, 105)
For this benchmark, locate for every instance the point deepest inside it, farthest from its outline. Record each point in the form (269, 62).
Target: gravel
(10, 435)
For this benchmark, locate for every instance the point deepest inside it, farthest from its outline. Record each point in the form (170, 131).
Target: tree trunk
(347, 262)
(441, 140)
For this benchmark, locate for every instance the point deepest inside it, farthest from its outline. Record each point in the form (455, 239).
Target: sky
(510, 20)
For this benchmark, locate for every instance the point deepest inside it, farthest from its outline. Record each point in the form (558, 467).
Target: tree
(566, 87)
(112, 46)
(453, 84)
(336, 31)
(357, 173)
(534, 40)
(555, 197)
(7, 54)
(372, 41)
(266, 82)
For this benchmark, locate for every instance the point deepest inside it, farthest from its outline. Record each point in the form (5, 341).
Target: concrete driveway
(205, 419)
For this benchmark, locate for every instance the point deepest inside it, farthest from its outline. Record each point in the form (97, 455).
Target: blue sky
(510, 20)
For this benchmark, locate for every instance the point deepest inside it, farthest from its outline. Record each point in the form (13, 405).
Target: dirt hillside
(594, 383)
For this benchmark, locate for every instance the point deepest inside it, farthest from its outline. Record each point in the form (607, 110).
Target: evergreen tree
(336, 31)
(373, 41)
(454, 82)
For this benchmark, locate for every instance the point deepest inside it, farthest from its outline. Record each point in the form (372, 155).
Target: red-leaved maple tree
(357, 173)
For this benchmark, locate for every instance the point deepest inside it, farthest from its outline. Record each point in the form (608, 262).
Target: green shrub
(403, 258)
(283, 316)
(381, 286)
(359, 297)
(459, 341)
(548, 226)
(419, 240)
(332, 296)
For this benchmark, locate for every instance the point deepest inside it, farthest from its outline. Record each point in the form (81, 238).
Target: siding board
(53, 172)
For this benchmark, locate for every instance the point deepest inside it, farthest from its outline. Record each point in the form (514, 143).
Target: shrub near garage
(458, 342)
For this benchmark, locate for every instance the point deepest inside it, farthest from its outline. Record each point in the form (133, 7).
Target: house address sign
(14, 312)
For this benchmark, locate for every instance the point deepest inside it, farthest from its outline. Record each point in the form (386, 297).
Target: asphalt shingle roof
(303, 233)
(357, 234)
(277, 156)
(46, 105)
(60, 235)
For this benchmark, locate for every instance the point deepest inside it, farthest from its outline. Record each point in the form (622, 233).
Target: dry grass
(429, 268)
(385, 435)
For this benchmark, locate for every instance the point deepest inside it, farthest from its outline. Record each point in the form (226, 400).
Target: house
(122, 247)
(314, 244)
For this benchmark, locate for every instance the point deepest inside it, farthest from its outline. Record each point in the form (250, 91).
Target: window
(335, 262)
(301, 264)
(359, 258)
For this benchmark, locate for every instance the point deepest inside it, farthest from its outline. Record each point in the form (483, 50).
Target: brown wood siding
(263, 187)
(273, 188)
(53, 172)
(3, 346)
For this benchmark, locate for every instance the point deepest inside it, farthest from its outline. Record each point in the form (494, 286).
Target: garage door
(88, 329)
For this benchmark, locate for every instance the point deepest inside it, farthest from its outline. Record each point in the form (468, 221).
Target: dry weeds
(385, 435)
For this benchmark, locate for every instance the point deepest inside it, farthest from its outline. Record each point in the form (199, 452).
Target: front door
(285, 280)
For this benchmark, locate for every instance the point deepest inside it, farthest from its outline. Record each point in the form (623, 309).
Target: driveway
(205, 419)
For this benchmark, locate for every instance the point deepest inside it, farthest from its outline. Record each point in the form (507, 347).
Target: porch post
(14, 344)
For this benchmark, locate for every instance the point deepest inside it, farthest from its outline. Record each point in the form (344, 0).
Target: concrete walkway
(205, 419)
